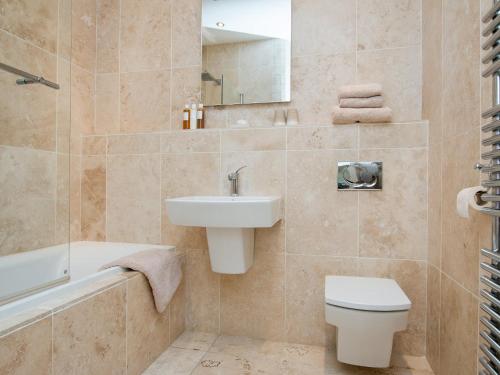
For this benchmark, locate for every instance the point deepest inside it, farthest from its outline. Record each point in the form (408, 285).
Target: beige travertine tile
(435, 203)
(175, 361)
(461, 59)
(178, 310)
(94, 145)
(195, 340)
(406, 135)
(258, 296)
(62, 230)
(216, 117)
(326, 137)
(264, 174)
(28, 350)
(107, 110)
(186, 90)
(140, 201)
(305, 296)
(147, 330)
(94, 198)
(145, 35)
(27, 113)
(145, 101)
(433, 316)
(89, 337)
(133, 144)
(320, 219)
(35, 22)
(75, 197)
(28, 179)
(203, 293)
(82, 101)
(256, 116)
(332, 22)
(186, 33)
(253, 140)
(315, 80)
(108, 34)
(460, 252)
(190, 141)
(388, 24)
(411, 277)
(182, 175)
(458, 329)
(63, 106)
(393, 221)
(83, 33)
(400, 73)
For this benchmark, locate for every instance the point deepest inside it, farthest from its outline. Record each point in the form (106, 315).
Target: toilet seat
(365, 293)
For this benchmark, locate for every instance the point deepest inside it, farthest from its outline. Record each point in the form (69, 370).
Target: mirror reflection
(246, 51)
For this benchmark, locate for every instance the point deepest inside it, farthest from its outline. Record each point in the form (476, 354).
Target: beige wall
(133, 156)
(453, 97)
(34, 126)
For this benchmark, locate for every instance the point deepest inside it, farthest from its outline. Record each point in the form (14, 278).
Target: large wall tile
(83, 25)
(315, 80)
(28, 350)
(63, 107)
(134, 144)
(108, 34)
(305, 296)
(107, 106)
(203, 293)
(90, 337)
(186, 33)
(400, 73)
(253, 140)
(393, 135)
(258, 296)
(190, 141)
(145, 101)
(82, 101)
(458, 329)
(62, 233)
(188, 174)
(320, 219)
(433, 316)
(34, 21)
(388, 24)
(393, 221)
(145, 35)
(75, 197)
(186, 86)
(325, 137)
(411, 276)
(147, 330)
(332, 22)
(94, 198)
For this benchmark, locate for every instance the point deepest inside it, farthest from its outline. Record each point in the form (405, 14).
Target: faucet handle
(234, 174)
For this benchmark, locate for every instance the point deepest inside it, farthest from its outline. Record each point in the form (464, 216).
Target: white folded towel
(360, 91)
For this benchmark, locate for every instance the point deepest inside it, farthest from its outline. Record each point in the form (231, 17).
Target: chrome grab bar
(28, 78)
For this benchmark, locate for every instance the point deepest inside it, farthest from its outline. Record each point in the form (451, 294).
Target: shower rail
(490, 280)
(28, 78)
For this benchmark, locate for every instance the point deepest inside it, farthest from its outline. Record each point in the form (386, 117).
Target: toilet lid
(365, 293)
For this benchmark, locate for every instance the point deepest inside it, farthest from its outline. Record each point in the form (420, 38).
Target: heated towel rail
(490, 280)
(28, 78)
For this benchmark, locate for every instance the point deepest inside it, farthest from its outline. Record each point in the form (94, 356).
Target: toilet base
(364, 338)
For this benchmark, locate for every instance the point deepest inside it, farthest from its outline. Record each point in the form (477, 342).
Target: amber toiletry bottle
(186, 118)
(200, 117)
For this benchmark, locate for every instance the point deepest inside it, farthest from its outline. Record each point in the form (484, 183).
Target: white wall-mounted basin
(230, 223)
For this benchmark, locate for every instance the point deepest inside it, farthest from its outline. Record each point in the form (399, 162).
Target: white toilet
(367, 312)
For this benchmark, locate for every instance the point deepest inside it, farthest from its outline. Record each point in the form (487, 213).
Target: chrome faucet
(234, 178)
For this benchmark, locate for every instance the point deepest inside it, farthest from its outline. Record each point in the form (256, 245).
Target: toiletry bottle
(185, 117)
(192, 116)
(200, 117)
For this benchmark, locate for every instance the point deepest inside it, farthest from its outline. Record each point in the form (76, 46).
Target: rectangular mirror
(246, 51)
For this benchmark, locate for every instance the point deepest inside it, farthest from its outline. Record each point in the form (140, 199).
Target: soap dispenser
(186, 113)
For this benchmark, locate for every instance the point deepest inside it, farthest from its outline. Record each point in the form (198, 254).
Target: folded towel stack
(361, 103)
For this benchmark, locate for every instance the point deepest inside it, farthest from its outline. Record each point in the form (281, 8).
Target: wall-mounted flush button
(364, 175)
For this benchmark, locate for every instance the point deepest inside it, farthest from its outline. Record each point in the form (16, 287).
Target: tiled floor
(196, 353)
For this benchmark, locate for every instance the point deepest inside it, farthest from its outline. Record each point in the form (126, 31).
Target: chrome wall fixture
(364, 175)
(490, 281)
(28, 78)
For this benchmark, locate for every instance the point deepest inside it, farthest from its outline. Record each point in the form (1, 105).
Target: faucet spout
(234, 179)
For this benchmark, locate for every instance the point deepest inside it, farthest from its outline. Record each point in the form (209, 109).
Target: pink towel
(364, 115)
(373, 102)
(162, 268)
(360, 91)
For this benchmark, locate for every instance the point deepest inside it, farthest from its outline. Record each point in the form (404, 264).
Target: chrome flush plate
(363, 175)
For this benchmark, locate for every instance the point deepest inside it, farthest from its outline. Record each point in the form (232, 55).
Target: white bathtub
(85, 260)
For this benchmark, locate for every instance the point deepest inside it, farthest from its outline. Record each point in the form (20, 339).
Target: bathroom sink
(225, 212)
(230, 223)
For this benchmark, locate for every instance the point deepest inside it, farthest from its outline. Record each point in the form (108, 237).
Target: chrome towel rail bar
(28, 78)
(492, 13)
